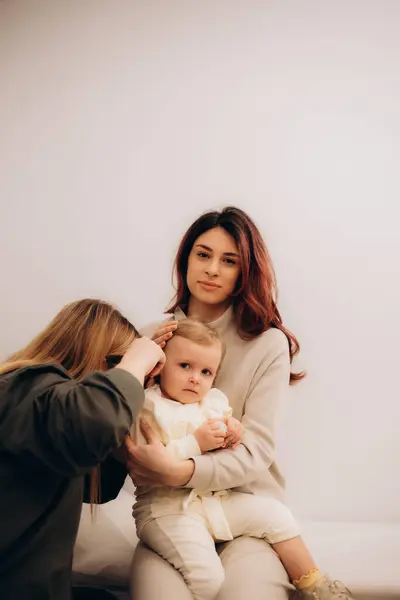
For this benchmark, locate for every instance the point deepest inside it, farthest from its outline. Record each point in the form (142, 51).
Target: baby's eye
(185, 365)
(206, 372)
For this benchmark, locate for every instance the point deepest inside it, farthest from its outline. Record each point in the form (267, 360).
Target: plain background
(122, 121)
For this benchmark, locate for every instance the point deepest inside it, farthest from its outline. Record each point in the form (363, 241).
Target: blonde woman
(63, 412)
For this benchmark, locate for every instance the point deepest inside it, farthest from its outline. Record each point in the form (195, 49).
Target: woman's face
(213, 267)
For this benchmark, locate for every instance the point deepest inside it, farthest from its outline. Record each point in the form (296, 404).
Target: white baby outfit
(182, 525)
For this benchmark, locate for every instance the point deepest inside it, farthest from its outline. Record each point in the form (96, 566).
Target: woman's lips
(209, 286)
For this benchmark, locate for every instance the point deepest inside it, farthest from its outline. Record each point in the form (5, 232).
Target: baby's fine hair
(197, 331)
(200, 333)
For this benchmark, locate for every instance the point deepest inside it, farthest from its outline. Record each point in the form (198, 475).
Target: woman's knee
(205, 583)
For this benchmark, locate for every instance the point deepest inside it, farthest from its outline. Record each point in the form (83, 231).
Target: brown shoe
(326, 590)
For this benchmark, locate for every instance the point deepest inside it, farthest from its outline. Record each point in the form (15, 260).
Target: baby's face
(190, 369)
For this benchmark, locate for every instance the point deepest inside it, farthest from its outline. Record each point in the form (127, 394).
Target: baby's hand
(210, 435)
(234, 434)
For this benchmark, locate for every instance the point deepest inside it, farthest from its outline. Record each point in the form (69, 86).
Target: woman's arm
(66, 425)
(233, 468)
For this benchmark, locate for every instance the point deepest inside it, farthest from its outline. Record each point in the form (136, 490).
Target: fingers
(218, 439)
(158, 368)
(234, 425)
(217, 431)
(169, 327)
(216, 426)
(149, 434)
(162, 339)
(165, 333)
(129, 443)
(231, 440)
(149, 383)
(141, 476)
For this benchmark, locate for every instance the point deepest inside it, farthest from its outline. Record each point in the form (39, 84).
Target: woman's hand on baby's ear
(234, 433)
(143, 359)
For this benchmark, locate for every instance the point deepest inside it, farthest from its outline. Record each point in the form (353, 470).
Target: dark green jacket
(53, 430)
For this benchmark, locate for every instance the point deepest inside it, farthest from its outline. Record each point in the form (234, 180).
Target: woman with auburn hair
(225, 277)
(67, 402)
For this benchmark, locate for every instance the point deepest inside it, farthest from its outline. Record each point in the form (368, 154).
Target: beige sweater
(255, 378)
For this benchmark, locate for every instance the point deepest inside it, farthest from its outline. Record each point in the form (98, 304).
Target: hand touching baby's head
(194, 354)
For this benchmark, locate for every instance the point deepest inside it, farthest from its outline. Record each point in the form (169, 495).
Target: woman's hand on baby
(151, 465)
(164, 333)
(147, 464)
(234, 433)
(143, 359)
(210, 435)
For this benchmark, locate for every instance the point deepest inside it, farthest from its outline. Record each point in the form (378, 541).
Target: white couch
(365, 556)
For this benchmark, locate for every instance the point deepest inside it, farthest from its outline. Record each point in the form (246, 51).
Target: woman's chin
(209, 298)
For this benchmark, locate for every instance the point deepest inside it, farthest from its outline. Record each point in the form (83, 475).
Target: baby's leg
(269, 519)
(187, 545)
(296, 558)
(266, 518)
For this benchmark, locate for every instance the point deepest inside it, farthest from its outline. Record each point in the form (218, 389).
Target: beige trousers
(252, 572)
(187, 541)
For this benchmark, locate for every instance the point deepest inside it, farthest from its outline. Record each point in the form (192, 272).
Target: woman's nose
(212, 268)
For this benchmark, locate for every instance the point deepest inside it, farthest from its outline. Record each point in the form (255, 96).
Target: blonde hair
(200, 333)
(197, 331)
(81, 338)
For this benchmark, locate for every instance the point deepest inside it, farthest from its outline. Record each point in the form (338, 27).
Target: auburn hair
(83, 337)
(254, 300)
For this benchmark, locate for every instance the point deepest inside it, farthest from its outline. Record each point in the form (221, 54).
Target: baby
(192, 417)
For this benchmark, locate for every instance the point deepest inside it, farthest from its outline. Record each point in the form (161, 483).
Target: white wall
(121, 122)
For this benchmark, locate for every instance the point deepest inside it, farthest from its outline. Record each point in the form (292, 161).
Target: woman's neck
(205, 312)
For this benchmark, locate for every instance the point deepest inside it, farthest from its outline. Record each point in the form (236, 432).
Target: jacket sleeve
(227, 469)
(68, 426)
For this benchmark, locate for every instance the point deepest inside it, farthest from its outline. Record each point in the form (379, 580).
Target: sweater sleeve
(227, 469)
(66, 425)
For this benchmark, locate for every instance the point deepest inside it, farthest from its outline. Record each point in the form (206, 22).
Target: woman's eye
(185, 365)
(202, 255)
(230, 261)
